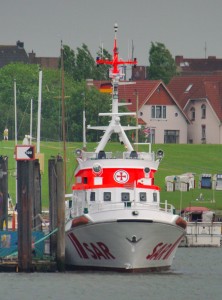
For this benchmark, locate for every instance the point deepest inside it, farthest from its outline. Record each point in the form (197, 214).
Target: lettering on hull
(97, 250)
(163, 251)
(100, 251)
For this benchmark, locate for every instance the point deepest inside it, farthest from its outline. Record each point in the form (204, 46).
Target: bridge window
(92, 196)
(107, 196)
(125, 196)
(154, 197)
(143, 196)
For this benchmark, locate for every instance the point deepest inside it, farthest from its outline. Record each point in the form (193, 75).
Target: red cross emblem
(121, 176)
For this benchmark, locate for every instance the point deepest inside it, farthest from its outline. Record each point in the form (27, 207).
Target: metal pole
(136, 93)
(30, 141)
(39, 111)
(63, 115)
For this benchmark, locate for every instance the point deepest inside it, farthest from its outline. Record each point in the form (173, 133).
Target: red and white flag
(146, 131)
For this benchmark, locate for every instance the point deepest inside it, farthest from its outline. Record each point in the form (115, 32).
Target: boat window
(154, 197)
(125, 196)
(142, 196)
(133, 154)
(85, 180)
(107, 196)
(101, 154)
(92, 196)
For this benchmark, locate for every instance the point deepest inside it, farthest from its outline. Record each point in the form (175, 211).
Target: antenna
(205, 50)
(115, 62)
(132, 50)
(101, 46)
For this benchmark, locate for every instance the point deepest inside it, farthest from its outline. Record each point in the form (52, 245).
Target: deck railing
(80, 208)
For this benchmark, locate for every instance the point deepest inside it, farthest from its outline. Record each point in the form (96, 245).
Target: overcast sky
(184, 26)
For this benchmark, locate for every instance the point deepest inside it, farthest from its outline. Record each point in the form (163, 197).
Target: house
(200, 98)
(198, 66)
(157, 110)
(16, 53)
(12, 54)
(45, 62)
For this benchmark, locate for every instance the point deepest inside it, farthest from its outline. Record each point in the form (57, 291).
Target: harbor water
(196, 274)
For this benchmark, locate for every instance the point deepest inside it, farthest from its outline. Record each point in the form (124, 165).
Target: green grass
(178, 159)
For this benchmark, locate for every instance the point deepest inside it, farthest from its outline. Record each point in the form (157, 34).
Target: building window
(192, 114)
(171, 136)
(158, 112)
(203, 111)
(203, 133)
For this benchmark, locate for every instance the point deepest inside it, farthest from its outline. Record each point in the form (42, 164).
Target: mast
(63, 114)
(15, 104)
(31, 121)
(39, 111)
(115, 74)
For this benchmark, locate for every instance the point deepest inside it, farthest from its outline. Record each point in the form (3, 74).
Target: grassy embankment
(178, 159)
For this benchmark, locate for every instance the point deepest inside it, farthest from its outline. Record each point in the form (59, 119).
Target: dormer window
(192, 114)
(203, 111)
(188, 88)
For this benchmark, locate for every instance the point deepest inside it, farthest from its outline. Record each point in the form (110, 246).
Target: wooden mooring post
(3, 192)
(57, 210)
(25, 174)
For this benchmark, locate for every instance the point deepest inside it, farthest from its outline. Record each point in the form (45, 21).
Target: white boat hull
(124, 245)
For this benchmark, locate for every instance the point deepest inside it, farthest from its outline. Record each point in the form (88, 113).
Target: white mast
(15, 104)
(39, 111)
(31, 122)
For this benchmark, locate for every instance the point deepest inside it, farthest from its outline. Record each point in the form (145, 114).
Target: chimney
(20, 45)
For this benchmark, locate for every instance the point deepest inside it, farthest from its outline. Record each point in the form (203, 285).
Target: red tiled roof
(148, 91)
(209, 87)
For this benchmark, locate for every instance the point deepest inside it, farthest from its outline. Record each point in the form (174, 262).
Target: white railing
(80, 208)
(150, 156)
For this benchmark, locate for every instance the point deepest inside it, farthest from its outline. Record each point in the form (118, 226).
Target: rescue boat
(116, 219)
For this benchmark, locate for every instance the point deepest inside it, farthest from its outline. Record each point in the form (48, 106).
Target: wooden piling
(57, 210)
(4, 191)
(25, 173)
(37, 203)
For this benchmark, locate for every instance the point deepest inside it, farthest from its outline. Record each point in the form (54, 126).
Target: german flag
(106, 88)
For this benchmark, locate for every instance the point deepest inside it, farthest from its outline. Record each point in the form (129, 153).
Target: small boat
(116, 220)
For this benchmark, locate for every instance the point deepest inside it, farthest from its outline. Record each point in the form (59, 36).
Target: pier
(29, 240)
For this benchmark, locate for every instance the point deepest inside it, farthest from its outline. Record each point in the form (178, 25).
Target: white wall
(213, 128)
(175, 120)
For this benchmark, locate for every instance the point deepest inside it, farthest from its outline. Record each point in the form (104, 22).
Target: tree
(69, 60)
(102, 72)
(162, 65)
(82, 65)
(77, 96)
